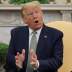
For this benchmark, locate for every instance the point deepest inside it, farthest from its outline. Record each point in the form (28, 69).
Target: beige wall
(66, 28)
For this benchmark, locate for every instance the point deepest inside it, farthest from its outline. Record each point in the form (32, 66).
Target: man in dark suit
(49, 50)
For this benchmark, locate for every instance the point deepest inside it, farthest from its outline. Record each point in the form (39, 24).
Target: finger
(32, 63)
(18, 53)
(23, 51)
(34, 55)
(16, 57)
(33, 59)
(17, 61)
(31, 52)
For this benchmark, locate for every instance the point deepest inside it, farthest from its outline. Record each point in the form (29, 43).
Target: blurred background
(54, 10)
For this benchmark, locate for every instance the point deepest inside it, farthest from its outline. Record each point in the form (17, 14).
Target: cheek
(29, 18)
(40, 16)
(28, 21)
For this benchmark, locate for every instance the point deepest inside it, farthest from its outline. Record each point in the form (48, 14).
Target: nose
(34, 15)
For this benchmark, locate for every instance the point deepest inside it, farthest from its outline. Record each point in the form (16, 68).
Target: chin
(38, 27)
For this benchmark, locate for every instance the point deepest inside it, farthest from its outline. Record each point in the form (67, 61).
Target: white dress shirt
(37, 35)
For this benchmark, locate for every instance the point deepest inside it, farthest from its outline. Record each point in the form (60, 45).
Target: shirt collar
(38, 31)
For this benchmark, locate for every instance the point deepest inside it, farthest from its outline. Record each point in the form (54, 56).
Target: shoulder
(19, 29)
(53, 31)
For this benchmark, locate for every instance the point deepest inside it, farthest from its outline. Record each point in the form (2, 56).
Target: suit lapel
(43, 36)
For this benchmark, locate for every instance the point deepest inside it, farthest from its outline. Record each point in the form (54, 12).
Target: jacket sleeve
(10, 60)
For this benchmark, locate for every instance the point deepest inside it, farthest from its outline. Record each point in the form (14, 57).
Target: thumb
(23, 51)
(18, 53)
(31, 51)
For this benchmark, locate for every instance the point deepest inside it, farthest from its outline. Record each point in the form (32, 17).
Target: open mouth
(36, 21)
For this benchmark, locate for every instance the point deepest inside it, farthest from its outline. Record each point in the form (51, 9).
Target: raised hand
(19, 58)
(33, 58)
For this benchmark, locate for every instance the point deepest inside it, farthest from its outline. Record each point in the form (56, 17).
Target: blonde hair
(33, 3)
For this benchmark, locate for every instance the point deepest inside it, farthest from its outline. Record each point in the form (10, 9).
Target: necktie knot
(34, 32)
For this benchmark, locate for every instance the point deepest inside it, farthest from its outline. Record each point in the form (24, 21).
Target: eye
(30, 14)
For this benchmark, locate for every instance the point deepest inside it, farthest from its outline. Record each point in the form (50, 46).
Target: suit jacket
(49, 49)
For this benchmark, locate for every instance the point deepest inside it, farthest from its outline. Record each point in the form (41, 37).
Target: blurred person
(48, 53)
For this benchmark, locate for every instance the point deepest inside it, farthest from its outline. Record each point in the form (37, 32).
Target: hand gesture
(19, 58)
(33, 58)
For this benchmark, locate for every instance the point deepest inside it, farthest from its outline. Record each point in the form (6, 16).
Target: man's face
(33, 16)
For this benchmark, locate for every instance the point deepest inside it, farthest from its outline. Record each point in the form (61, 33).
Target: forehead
(31, 9)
